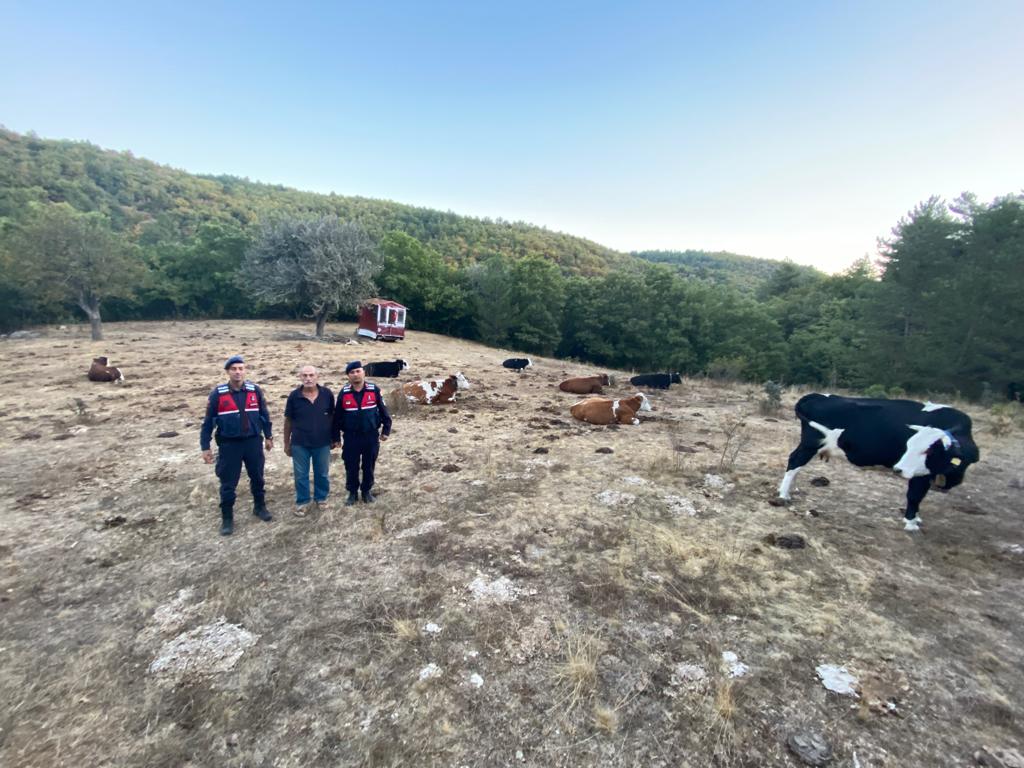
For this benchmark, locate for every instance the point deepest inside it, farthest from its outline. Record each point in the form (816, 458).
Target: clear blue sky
(799, 130)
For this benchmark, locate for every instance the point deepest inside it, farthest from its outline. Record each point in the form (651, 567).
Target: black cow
(388, 370)
(928, 444)
(1015, 392)
(656, 380)
(518, 363)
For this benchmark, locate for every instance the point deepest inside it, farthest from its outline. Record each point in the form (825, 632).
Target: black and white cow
(656, 380)
(388, 370)
(928, 444)
(518, 363)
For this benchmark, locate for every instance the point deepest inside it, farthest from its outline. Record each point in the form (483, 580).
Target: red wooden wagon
(382, 319)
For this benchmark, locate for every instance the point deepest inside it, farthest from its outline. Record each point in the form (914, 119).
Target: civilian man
(307, 438)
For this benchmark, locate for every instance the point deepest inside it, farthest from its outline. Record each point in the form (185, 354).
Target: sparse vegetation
(541, 602)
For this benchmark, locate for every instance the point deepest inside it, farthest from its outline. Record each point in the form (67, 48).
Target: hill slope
(137, 193)
(747, 273)
(527, 585)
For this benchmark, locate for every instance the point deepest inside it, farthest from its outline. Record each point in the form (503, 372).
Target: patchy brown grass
(565, 585)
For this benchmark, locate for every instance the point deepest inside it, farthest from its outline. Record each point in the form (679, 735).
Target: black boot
(227, 522)
(259, 509)
(368, 497)
(352, 499)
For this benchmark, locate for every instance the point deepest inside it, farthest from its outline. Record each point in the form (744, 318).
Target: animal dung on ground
(451, 468)
(540, 450)
(811, 747)
(786, 540)
(605, 449)
(820, 482)
(168, 434)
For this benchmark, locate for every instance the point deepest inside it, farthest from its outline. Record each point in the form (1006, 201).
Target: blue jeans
(321, 459)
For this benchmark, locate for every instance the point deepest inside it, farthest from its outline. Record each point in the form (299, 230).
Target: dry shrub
(606, 718)
(398, 404)
(735, 432)
(577, 674)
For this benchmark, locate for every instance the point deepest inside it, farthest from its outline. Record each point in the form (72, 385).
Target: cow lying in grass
(656, 380)
(100, 371)
(585, 385)
(435, 391)
(385, 370)
(930, 445)
(601, 410)
(518, 363)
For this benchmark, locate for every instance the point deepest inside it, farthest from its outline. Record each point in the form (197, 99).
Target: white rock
(687, 674)
(736, 667)
(634, 480)
(715, 481)
(419, 530)
(611, 498)
(837, 679)
(205, 650)
(501, 590)
(430, 671)
(678, 505)
(431, 628)
(476, 680)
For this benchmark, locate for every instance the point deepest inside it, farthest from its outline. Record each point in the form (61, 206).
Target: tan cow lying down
(435, 391)
(601, 410)
(585, 385)
(100, 371)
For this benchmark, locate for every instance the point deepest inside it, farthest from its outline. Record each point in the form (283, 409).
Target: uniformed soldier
(239, 412)
(359, 414)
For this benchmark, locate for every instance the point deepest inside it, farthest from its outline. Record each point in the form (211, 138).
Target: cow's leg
(797, 459)
(917, 489)
(626, 416)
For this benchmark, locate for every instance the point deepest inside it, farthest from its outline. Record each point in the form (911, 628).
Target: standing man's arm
(385, 419)
(206, 431)
(339, 415)
(334, 441)
(287, 436)
(265, 419)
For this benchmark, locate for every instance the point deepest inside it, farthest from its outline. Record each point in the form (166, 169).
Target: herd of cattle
(928, 444)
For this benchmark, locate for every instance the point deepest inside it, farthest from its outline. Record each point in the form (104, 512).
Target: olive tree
(321, 265)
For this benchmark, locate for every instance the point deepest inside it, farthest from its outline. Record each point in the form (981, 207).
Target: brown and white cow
(435, 391)
(601, 410)
(100, 371)
(585, 385)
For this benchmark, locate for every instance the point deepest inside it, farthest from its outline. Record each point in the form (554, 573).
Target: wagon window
(400, 317)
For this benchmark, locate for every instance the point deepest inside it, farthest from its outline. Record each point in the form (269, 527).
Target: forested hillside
(155, 202)
(747, 273)
(84, 230)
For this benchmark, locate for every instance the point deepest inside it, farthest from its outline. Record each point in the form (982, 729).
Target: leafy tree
(419, 278)
(537, 294)
(491, 299)
(320, 265)
(73, 257)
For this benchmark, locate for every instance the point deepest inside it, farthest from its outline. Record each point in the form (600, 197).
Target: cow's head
(937, 453)
(603, 378)
(645, 404)
(100, 360)
(461, 381)
(402, 365)
(675, 378)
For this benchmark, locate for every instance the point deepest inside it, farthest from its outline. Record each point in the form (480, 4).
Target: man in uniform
(239, 412)
(359, 414)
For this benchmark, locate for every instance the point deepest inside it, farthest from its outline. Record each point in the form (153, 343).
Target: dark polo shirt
(311, 422)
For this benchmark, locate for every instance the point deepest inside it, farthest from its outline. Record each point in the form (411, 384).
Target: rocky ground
(529, 590)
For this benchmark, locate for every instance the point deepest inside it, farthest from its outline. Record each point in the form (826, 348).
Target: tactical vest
(356, 416)
(229, 419)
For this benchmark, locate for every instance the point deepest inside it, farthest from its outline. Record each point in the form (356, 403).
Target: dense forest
(86, 231)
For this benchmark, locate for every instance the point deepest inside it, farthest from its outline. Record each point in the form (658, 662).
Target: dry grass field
(529, 590)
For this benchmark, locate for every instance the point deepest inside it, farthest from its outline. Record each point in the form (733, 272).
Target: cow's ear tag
(955, 462)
